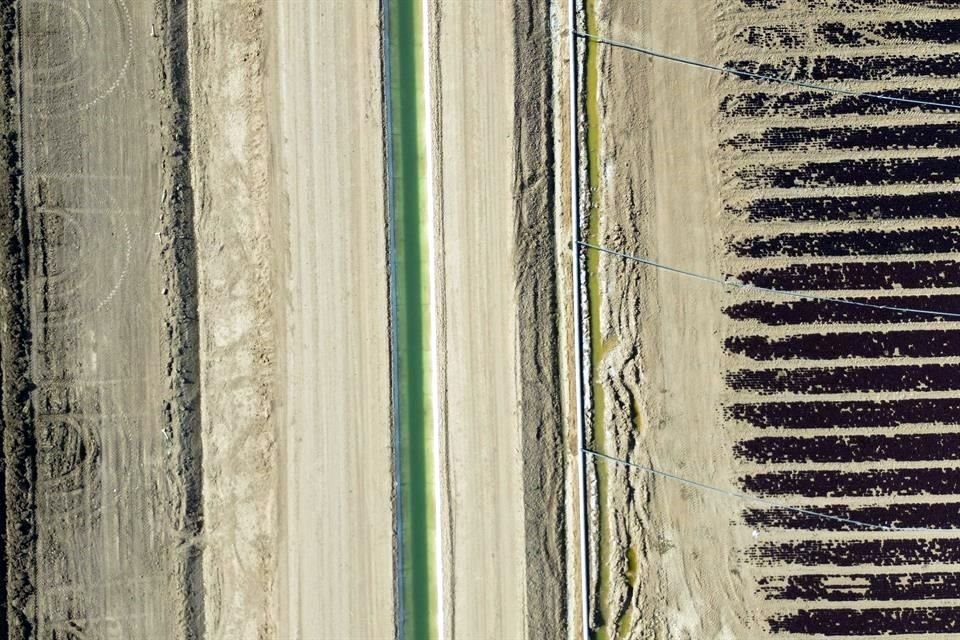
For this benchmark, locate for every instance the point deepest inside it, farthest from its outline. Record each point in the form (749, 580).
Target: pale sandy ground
(484, 542)
(660, 198)
(336, 569)
(231, 171)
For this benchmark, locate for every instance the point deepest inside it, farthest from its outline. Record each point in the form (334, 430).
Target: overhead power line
(762, 77)
(765, 501)
(736, 284)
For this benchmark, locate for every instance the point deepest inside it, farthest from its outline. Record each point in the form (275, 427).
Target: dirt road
(661, 549)
(337, 575)
(481, 423)
(238, 271)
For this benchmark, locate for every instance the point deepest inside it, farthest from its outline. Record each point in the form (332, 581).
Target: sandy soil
(337, 576)
(105, 543)
(110, 530)
(538, 215)
(501, 444)
(685, 167)
(195, 373)
(661, 374)
(480, 419)
(238, 268)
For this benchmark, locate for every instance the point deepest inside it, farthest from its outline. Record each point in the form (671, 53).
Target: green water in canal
(412, 317)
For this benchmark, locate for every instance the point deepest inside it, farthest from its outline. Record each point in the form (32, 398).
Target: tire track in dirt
(100, 395)
(897, 48)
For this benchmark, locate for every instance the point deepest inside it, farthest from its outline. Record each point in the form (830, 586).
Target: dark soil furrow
(873, 448)
(933, 481)
(834, 311)
(842, 173)
(819, 104)
(857, 275)
(837, 346)
(182, 410)
(819, 414)
(936, 205)
(850, 243)
(18, 616)
(924, 136)
(817, 146)
(927, 377)
(826, 68)
(849, 553)
(861, 586)
(905, 516)
(853, 622)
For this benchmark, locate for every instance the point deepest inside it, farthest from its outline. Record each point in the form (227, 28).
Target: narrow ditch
(598, 347)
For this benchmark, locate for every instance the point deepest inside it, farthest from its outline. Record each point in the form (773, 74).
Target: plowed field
(844, 410)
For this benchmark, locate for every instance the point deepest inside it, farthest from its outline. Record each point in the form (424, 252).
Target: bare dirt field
(102, 441)
(197, 376)
(845, 410)
(137, 507)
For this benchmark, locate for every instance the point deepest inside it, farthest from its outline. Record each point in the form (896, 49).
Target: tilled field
(846, 410)
(852, 409)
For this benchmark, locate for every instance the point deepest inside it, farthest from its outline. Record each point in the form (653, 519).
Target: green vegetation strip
(412, 334)
(598, 346)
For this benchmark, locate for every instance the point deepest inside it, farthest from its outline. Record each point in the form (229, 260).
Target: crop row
(912, 447)
(859, 34)
(871, 67)
(884, 621)
(832, 483)
(936, 205)
(819, 104)
(861, 586)
(923, 515)
(786, 128)
(926, 274)
(837, 346)
(823, 414)
(829, 311)
(853, 172)
(894, 137)
(846, 5)
(903, 32)
(884, 552)
(849, 243)
(873, 379)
